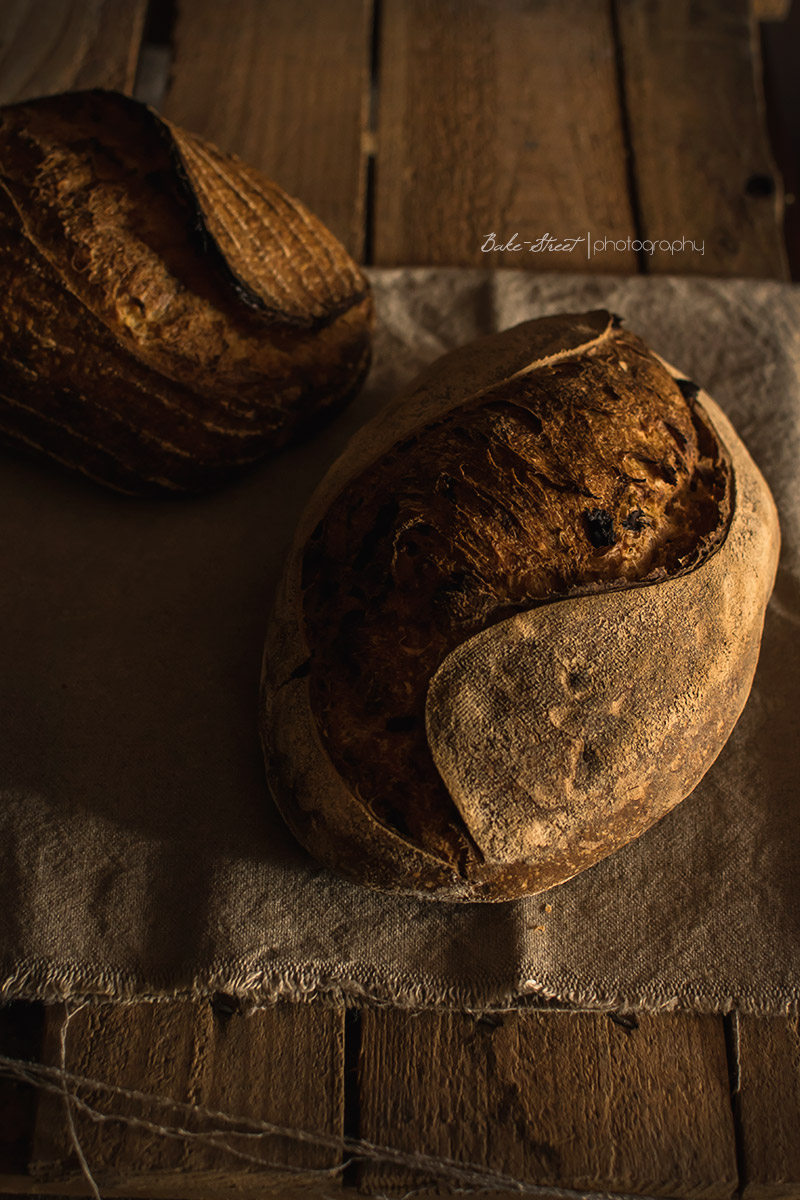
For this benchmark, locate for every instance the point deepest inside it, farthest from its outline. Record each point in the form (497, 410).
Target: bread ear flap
(564, 732)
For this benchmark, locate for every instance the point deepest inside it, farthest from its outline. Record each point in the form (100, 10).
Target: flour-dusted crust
(167, 315)
(560, 724)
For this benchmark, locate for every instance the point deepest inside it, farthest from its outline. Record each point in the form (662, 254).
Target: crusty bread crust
(591, 661)
(167, 315)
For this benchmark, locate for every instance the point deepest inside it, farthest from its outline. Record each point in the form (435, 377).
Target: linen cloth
(140, 853)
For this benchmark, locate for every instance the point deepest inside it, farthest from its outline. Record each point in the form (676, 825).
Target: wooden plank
(769, 1107)
(499, 119)
(286, 87)
(702, 161)
(771, 10)
(558, 1099)
(51, 46)
(780, 50)
(282, 1065)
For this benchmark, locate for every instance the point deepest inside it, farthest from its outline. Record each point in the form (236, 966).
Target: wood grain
(769, 1107)
(559, 1099)
(281, 1065)
(51, 46)
(701, 157)
(286, 87)
(499, 119)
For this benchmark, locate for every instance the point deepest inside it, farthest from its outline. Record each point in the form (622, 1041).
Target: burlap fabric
(140, 853)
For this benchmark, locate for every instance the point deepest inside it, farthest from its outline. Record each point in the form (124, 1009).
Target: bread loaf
(167, 315)
(520, 619)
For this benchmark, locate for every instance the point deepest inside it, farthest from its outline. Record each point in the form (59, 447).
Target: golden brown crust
(555, 729)
(167, 316)
(584, 475)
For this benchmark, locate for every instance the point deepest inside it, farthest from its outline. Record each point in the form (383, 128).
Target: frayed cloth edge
(252, 989)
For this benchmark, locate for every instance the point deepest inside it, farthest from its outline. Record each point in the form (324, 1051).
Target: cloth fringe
(50, 983)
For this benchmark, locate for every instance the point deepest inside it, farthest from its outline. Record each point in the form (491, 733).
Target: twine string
(69, 1013)
(64, 1083)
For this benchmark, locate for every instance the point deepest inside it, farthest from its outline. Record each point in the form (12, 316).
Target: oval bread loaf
(167, 315)
(520, 619)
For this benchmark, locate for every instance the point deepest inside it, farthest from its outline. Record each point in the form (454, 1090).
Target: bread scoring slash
(520, 619)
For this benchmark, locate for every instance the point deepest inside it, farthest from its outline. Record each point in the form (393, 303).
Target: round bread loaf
(167, 315)
(520, 619)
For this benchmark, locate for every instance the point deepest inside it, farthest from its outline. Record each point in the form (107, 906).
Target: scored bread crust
(167, 315)
(637, 689)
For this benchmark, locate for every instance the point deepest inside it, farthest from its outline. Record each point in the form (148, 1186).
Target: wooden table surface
(413, 128)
